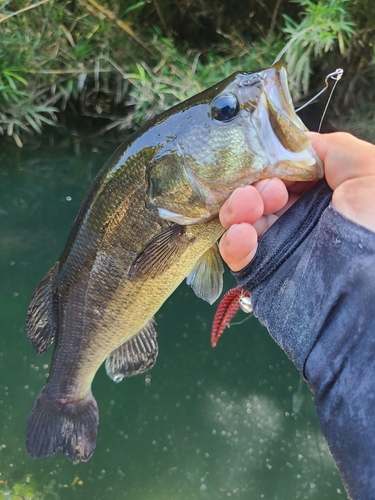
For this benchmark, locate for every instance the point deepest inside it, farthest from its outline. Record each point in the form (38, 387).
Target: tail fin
(70, 427)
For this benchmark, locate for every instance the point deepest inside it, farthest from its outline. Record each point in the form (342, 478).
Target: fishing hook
(335, 75)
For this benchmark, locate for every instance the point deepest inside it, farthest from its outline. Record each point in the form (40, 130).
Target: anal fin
(42, 315)
(136, 356)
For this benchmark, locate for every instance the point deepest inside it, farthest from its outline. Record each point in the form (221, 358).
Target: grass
(128, 60)
(325, 27)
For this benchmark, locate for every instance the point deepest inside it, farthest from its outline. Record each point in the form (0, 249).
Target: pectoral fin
(206, 279)
(159, 253)
(136, 356)
(42, 315)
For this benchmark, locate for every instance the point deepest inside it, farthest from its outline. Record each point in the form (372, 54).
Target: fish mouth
(277, 88)
(289, 150)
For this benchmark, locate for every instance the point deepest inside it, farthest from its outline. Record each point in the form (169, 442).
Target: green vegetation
(126, 60)
(26, 489)
(325, 25)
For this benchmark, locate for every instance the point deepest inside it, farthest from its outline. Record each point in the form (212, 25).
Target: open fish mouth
(276, 85)
(281, 132)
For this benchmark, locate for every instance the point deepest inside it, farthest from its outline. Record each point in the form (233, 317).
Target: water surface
(210, 424)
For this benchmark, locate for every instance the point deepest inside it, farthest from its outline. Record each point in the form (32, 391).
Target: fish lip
(275, 84)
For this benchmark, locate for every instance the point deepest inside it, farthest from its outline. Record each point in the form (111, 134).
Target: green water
(230, 422)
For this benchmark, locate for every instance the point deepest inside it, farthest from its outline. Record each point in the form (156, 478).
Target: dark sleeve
(312, 284)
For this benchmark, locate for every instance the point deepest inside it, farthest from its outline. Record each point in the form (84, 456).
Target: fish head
(237, 132)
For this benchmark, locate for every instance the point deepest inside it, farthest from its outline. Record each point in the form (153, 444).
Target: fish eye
(224, 107)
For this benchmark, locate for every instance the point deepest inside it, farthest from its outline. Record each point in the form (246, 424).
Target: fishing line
(236, 323)
(336, 75)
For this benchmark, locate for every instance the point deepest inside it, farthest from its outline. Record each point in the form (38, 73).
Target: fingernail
(228, 205)
(261, 185)
(226, 236)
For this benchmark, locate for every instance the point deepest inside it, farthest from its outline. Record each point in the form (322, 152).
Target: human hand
(250, 211)
(312, 286)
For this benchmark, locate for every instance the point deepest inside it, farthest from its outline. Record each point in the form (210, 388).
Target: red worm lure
(233, 300)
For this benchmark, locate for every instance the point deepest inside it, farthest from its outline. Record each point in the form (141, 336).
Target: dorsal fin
(206, 279)
(42, 315)
(159, 253)
(136, 356)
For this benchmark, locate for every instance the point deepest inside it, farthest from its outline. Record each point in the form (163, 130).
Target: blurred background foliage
(123, 61)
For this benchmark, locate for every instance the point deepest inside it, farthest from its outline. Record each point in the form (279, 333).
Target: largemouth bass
(148, 221)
